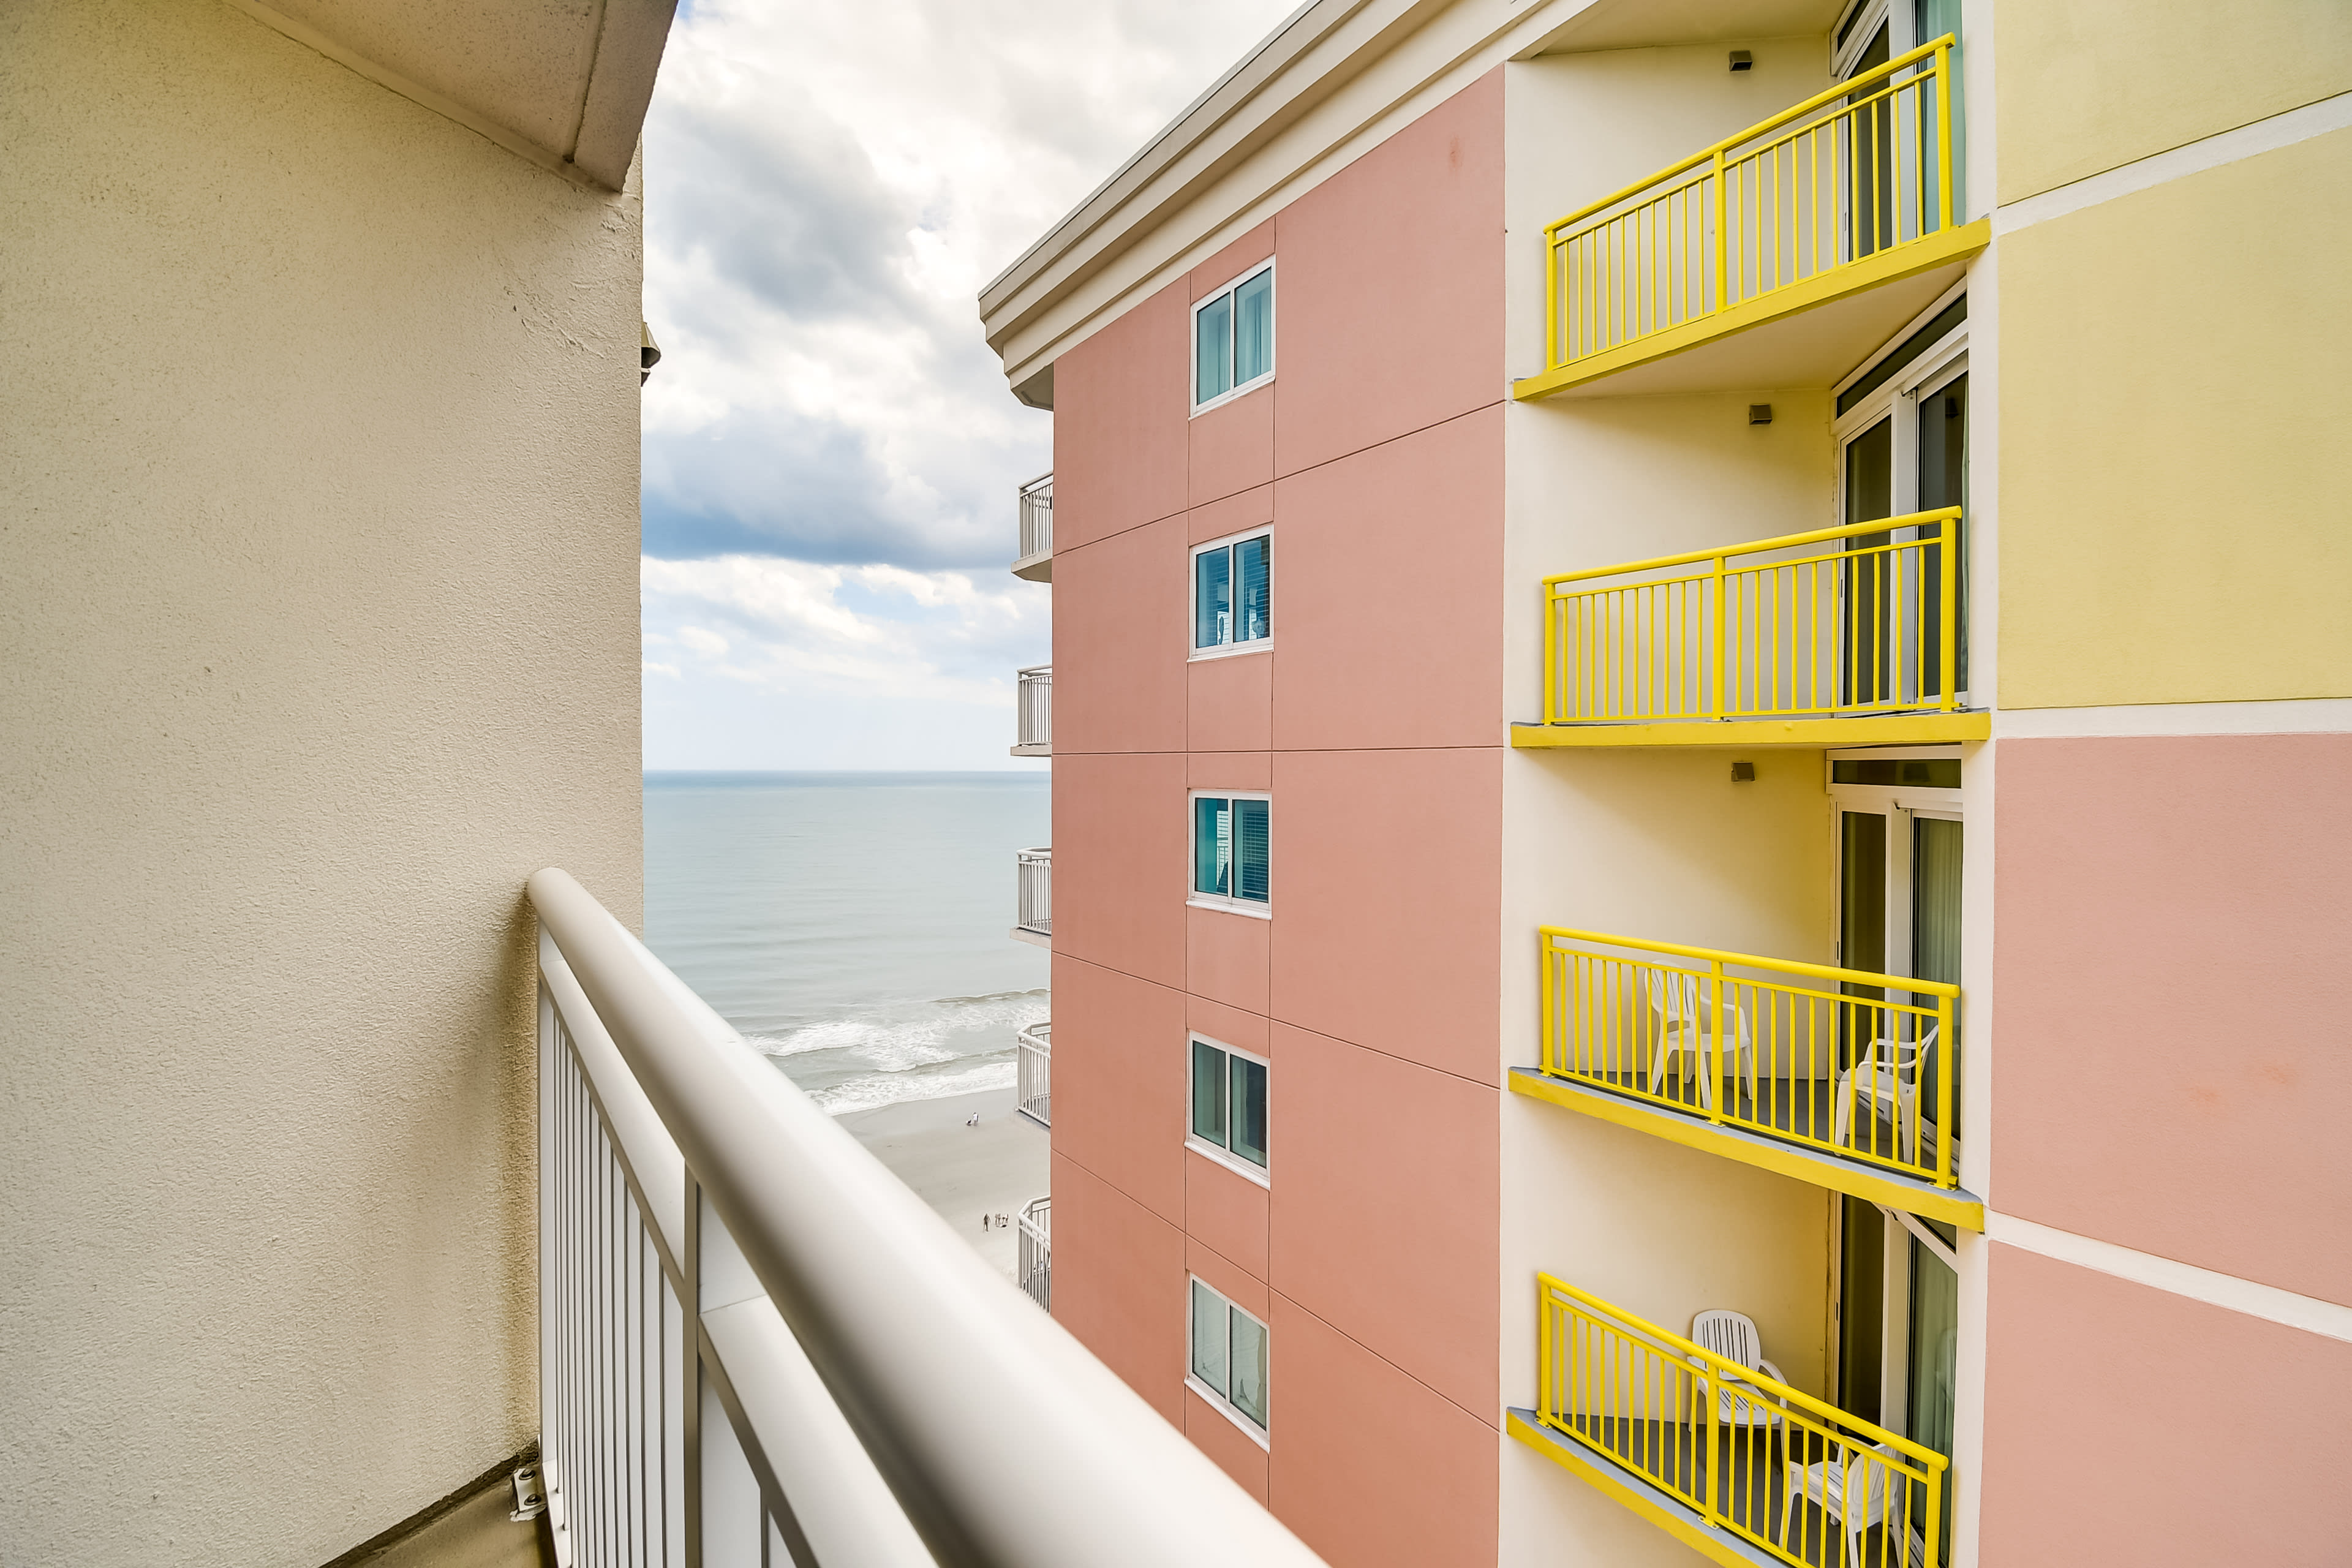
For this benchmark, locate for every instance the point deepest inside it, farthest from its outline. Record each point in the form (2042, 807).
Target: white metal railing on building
(1036, 523)
(1034, 736)
(758, 1346)
(1035, 907)
(1037, 1251)
(1032, 1093)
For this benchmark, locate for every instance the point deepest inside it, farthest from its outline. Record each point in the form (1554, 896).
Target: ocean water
(853, 926)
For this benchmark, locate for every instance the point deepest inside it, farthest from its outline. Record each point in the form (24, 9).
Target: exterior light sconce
(1741, 60)
(648, 356)
(1760, 413)
(1743, 773)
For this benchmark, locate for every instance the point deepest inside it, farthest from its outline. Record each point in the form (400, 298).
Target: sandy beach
(963, 1172)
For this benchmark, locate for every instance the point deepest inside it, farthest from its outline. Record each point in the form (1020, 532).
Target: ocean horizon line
(836, 775)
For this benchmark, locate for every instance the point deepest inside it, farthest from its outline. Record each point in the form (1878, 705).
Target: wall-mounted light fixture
(1741, 60)
(647, 357)
(1760, 413)
(1743, 773)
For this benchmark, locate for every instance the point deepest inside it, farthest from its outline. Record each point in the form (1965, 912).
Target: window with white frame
(1229, 1104)
(1232, 338)
(1233, 594)
(1229, 1356)
(1230, 851)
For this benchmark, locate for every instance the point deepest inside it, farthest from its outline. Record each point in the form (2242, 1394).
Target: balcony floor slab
(1871, 730)
(1951, 1204)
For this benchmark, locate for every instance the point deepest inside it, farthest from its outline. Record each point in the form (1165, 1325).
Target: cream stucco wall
(2086, 85)
(2172, 522)
(318, 510)
(1658, 843)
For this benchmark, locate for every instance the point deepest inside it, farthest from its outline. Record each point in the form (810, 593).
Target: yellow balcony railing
(1753, 1457)
(1845, 180)
(1840, 1062)
(1834, 622)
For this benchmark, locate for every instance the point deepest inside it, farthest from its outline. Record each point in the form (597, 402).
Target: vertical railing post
(1549, 1002)
(1946, 1047)
(1718, 633)
(1711, 1391)
(1544, 1372)
(1555, 330)
(1948, 595)
(1943, 137)
(1551, 656)
(1712, 1063)
(1722, 233)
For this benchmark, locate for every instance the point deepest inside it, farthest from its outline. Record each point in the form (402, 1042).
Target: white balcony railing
(758, 1346)
(1035, 910)
(1033, 1088)
(1037, 1251)
(1036, 560)
(1033, 701)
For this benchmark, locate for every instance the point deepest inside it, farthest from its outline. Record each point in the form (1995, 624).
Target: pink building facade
(1478, 996)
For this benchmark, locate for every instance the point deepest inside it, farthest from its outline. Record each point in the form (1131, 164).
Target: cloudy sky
(830, 451)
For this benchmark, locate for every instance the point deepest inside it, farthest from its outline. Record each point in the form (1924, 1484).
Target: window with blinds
(1233, 594)
(1232, 852)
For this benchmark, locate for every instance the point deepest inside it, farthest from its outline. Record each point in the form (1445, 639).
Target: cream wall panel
(318, 635)
(2172, 409)
(2086, 85)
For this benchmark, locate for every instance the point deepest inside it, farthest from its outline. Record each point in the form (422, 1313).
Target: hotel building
(1703, 710)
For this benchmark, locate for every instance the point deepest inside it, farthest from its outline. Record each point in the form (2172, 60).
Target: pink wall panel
(1227, 265)
(1227, 957)
(1214, 1435)
(1379, 1161)
(1121, 615)
(1388, 297)
(2174, 1045)
(1230, 770)
(1233, 445)
(1229, 704)
(1230, 1025)
(1119, 862)
(1388, 594)
(1123, 1294)
(2126, 1425)
(1371, 1468)
(1119, 400)
(1120, 1081)
(1387, 888)
(1244, 1289)
(1234, 514)
(1225, 1211)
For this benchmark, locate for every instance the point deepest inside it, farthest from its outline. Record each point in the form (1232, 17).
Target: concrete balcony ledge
(1861, 729)
(1953, 1206)
(1660, 1507)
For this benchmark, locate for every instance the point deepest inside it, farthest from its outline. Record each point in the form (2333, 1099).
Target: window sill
(1233, 395)
(1217, 1402)
(1255, 911)
(1230, 1161)
(1234, 650)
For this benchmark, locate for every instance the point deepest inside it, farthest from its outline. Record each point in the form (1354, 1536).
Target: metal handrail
(1037, 507)
(1032, 1093)
(1033, 902)
(1034, 706)
(1036, 1260)
(1002, 1439)
(1741, 224)
(1726, 1438)
(1759, 1040)
(1771, 628)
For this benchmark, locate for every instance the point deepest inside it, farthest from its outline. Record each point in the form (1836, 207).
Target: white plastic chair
(1856, 1488)
(1686, 1025)
(1886, 1078)
(1733, 1336)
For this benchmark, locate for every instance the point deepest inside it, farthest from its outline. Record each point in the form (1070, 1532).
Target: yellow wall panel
(2086, 85)
(2173, 407)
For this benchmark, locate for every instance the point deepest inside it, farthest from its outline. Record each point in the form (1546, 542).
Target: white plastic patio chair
(1686, 1026)
(1885, 1076)
(1855, 1488)
(1733, 1336)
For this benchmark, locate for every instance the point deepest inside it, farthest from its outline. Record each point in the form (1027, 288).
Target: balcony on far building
(1841, 1078)
(1036, 1254)
(1841, 210)
(1842, 636)
(1036, 560)
(1033, 896)
(1032, 734)
(1721, 1455)
(1034, 1087)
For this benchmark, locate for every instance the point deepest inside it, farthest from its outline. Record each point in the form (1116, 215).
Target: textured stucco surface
(318, 635)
